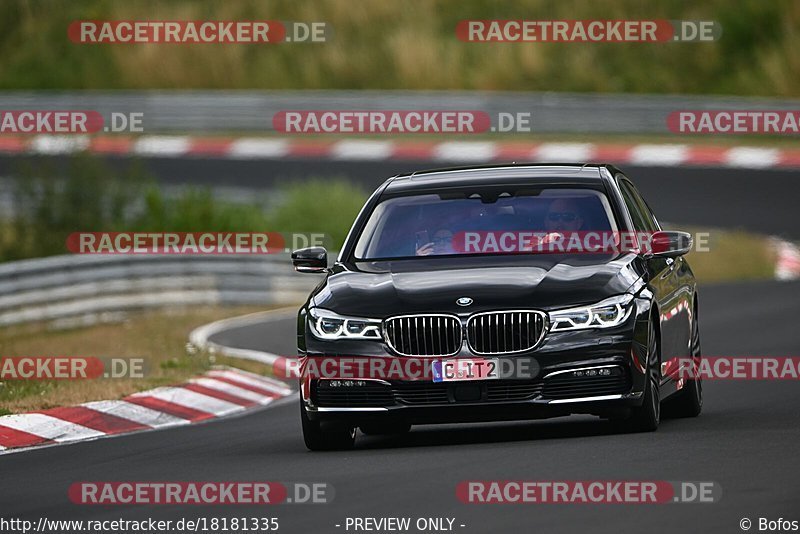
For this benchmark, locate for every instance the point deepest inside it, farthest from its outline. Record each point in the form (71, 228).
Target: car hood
(381, 289)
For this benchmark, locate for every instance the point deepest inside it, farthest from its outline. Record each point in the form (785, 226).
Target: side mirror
(310, 260)
(669, 244)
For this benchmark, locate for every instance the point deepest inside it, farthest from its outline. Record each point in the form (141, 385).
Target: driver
(442, 244)
(563, 215)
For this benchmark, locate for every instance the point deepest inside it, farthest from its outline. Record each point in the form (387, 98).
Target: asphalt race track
(745, 440)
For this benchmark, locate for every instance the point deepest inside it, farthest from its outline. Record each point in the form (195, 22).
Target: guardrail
(83, 288)
(252, 111)
(71, 290)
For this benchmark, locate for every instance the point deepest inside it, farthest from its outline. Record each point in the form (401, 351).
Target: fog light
(605, 371)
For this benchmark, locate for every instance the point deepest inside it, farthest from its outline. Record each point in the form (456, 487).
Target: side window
(639, 221)
(647, 213)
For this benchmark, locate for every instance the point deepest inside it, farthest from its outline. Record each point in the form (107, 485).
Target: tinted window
(641, 221)
(431, 224)
(646, 211)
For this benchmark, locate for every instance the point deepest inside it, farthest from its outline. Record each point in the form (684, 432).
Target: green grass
(157, 337)
(319, 205)
(408, 45)
(733, 255)
(89, 196)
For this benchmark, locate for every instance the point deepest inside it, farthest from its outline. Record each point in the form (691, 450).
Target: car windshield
(466, 222)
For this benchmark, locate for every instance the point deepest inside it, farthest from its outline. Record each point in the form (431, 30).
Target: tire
(688, 402)
(385, 428)
(645, 418)
(326, 437)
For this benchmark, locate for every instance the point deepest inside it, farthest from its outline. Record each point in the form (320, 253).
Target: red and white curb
(245, 148)
(787, 266)
(220, 392)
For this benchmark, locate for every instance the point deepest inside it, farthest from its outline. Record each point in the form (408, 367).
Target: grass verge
(732, 255)
(158, 337)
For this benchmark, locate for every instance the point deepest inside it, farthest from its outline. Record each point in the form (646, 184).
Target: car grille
(376, 394)
(562, 386)
(568, 386)
(513, 391)
(505, 332)
(369, 394)
(423, 335)
(421, 393)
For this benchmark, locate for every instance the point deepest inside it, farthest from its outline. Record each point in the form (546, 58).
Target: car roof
(507, 174)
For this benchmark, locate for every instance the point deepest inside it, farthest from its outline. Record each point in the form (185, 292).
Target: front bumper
(567, 380)
(555, 394)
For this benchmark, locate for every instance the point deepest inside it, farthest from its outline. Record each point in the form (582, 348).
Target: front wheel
(645, 418)
(320, 436)
(688, 402)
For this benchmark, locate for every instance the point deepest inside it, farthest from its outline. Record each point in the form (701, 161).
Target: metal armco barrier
(252, 111)
(66, 287)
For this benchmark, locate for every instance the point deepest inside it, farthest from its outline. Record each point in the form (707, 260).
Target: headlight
(605, 314)
(326, 324)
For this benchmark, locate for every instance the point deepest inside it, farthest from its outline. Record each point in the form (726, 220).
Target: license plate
(462, 369)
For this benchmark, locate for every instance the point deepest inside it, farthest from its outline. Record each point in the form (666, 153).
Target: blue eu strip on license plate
(437, 371)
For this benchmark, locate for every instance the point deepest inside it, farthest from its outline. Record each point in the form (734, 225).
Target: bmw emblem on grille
(464, 301)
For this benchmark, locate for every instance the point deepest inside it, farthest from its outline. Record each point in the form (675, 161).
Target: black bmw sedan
(498, 293)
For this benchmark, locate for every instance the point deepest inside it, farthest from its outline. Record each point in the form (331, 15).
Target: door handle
(671, 264)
